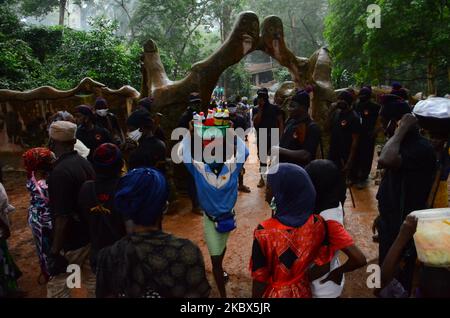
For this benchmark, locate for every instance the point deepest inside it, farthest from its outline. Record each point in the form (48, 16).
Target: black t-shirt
(106, 225)
(301, 135)
(93, 138)
(269, 117)
(110, 123)
(343, 127)
(406, 189)
(64, 182)
(150, 152)
(159, 133)
(368, 111)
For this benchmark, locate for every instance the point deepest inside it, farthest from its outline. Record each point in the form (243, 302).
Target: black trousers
(364, 158)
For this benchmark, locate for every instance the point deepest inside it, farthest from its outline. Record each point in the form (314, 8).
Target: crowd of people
(98, 196)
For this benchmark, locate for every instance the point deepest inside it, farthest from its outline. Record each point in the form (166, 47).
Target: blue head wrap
(142, 195)
(294, 194)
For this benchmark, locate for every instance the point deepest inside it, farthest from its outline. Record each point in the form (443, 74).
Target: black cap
(194, 98)
(302, 97)
(140, 118)
(146, 102)
(85, 110)
(346, 96)
(394, 110)
(101, 102)
(263, 92)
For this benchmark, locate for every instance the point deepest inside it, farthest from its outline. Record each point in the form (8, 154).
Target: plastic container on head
(432, 237)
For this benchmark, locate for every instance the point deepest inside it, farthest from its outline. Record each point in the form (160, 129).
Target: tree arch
(246, 36)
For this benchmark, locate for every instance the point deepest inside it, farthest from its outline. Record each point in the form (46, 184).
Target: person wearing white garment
(79, 146)
(330, 191)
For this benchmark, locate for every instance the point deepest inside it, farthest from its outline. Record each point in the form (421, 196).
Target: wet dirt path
(251, 209)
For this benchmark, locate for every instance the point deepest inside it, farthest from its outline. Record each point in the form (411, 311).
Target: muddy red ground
(251, 209)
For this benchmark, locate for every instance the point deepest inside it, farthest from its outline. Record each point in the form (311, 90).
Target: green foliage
(413, 35)
(19, 69)
(98, 54)
(282, 75)
(302, 21)
(239, 83)
(43, 40)
(61, 57)
(175, 27)
(38, 8)
(9, 22)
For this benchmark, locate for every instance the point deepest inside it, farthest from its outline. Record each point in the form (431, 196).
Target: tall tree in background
(224, 12)
(414, 34)
(412, 45)
(175, 26)
(43, 7)
(303, 21)
(345, 31)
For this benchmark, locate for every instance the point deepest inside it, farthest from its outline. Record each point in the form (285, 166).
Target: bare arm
(356, 259)
(315, 272)
(60, 230)
(393, 257)
(280, 125)
(390, 155)
(258, 117)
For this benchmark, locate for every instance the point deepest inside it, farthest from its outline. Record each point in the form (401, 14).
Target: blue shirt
(217, 194)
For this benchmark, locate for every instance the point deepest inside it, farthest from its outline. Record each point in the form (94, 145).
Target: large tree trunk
(62, 11)
(226, 28)
(171, 97)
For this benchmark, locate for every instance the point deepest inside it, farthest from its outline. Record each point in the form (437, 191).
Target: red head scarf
(37, 159)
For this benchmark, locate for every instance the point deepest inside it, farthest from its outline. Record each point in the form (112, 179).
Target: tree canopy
(61, 57)
(412, 45)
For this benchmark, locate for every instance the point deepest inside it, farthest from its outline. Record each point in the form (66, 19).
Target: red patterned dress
(282, 254)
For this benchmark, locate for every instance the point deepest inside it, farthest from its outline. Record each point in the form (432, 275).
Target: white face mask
(135, 135)
(102, 112)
